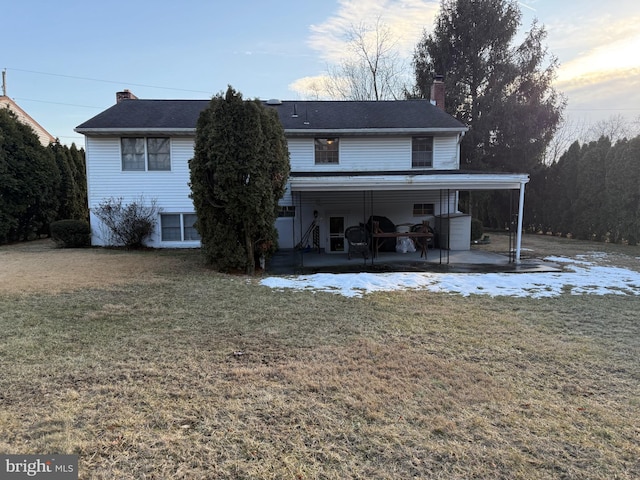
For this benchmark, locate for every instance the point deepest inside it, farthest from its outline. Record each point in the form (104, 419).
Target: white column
(520, 214)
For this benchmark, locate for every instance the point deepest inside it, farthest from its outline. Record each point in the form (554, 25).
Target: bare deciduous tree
(615, 128)
(373, 69)
(567, 133)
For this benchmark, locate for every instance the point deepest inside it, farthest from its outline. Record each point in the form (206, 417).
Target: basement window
(178, 227)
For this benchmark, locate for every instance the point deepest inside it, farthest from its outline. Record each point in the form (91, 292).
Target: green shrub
(477, 230)
(71, 233)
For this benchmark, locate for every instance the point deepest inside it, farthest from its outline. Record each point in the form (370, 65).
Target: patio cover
(414, 180)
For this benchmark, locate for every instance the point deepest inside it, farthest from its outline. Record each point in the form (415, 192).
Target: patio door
(336, 234)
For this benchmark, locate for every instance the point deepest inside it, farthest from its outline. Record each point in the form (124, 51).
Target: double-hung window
(327, 151)
(422, 152)
(178, 227)
(146, 154)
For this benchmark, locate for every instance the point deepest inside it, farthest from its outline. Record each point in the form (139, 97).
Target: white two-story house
(399, 160)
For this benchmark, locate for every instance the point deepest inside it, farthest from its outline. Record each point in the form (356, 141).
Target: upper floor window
(151, 153)
(327, 151)
(422, 152)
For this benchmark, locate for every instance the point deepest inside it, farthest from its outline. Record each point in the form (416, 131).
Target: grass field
(149, 366)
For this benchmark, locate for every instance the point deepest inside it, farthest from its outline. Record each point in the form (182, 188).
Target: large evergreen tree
(590, 220)
(238, 174)
(78, 167)
(623, 191)
(29, 181)
(502, 91)
(562, 190)
(67, 189)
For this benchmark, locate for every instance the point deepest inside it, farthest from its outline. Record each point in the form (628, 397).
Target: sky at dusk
(65, 59)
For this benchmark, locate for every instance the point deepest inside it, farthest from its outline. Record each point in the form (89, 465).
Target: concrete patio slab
(290, 262)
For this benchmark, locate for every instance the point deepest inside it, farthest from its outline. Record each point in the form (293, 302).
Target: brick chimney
(437, 92)
(125, 95)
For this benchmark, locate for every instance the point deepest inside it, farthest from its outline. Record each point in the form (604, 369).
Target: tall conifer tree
(502, 91)
(29, 179)
(238, 174)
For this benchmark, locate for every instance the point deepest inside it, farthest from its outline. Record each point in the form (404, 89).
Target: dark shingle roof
(345, 115)
(311, 116)
(148, 114)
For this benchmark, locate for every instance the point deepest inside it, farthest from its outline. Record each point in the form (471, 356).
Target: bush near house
(128, 225)
(477, 229)
(71, 233)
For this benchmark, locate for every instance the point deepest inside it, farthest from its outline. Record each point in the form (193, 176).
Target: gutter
(130, 131)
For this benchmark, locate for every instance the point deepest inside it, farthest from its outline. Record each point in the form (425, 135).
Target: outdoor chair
(430, 242)
(358, 241)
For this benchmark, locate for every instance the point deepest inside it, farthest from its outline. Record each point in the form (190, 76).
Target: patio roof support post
(371, 232)
(364, 217)
(448, 225)
(301, 227)
(439, 223)
(520, 214)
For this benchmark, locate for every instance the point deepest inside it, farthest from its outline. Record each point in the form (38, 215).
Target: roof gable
(45, 137)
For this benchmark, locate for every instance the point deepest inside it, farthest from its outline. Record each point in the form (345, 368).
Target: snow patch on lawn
(581, 276)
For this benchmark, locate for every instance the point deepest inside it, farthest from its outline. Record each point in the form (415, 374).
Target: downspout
(460, 137)
(520, 214)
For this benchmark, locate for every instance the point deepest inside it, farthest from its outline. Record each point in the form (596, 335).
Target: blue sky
(66, 59)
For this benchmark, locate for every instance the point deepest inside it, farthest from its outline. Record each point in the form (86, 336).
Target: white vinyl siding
(373, 154)
(169, 188)
(445, 153)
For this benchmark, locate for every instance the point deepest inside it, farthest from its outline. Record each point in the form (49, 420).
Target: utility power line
(107, 81)
(57, 103)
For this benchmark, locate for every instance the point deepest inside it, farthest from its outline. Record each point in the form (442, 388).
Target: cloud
(602, 68)
(310, 87)
(580, 35)
(611, 49)
(406, 19)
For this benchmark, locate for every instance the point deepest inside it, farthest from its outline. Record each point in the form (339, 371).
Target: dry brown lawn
(149, 366)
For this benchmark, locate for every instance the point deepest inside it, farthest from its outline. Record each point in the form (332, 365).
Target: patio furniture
(378, 235)
(429, 242)
(358, 241)
(384, 225)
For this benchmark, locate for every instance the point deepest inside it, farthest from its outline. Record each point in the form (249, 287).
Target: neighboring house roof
(45, 137)
(297, 117)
